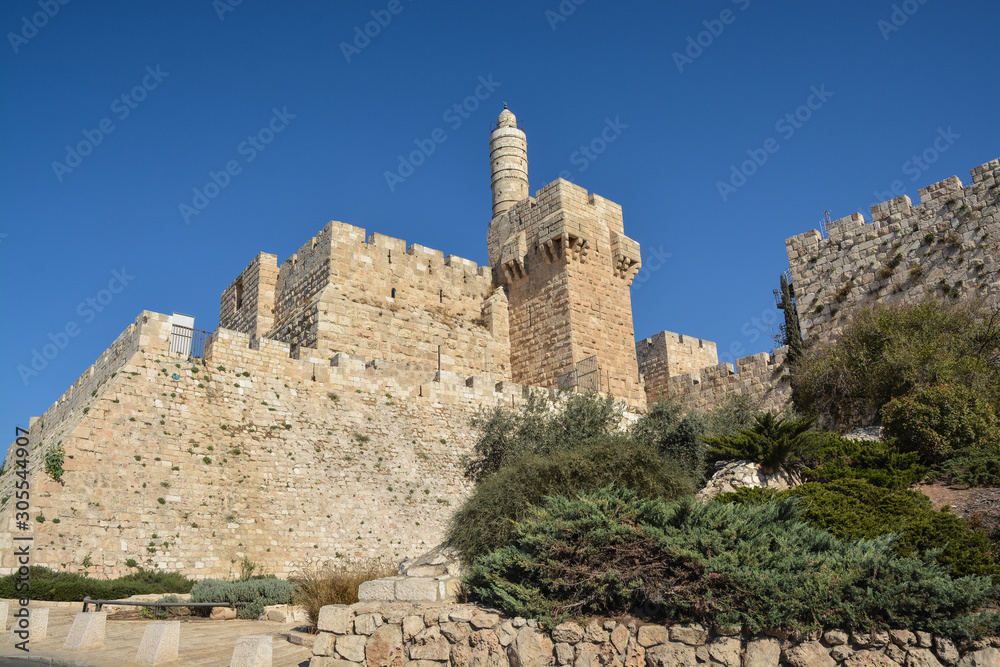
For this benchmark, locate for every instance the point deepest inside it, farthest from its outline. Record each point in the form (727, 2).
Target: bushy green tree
(940, 422)
(538, 427)
(885, 352)
(675, 434)
(792, 334)
(733, 413)
(614, 552)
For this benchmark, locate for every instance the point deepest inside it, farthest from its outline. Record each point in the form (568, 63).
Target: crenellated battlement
(339, 235)
(374, 296)
(761, 376)
(947, 245)
(668, 354)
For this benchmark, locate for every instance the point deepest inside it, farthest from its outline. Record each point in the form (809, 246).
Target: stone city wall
(668, 354)
(948, 245)
(761, 376)
(375, 634)
(376, 298)
(249, 453)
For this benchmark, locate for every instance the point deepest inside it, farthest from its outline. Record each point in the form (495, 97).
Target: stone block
(159, 643)
(692, 634)
(762, 652)
(351, 647)
(416, 589)
(383, 590)
(385, 647)
(87, 631)
(253, 651)
(324, 643)
(223, 614)
(651, 635)
(321, 661)
(38, 625)
(4, 611)
(670, 655)
(530, 649)
(809, 654)
(335, 618)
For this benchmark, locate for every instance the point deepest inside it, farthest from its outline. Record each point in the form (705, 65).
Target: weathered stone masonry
(375, 298)
(947, 245)
(466, 636)
(251, 453)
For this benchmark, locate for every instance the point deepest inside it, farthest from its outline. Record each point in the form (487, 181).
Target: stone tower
(508, 163)
(566, 265)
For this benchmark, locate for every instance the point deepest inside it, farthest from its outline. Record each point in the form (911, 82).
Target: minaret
(508, 163)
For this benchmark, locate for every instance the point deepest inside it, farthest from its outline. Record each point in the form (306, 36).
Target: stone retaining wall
(465, 635)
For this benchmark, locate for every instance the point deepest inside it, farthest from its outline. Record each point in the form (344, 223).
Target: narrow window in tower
(390, 257)
(429, 269)
(393, 292)
(239, 294)
(441, 295)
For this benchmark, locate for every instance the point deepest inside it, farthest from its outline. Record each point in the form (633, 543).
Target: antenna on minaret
(504, 105)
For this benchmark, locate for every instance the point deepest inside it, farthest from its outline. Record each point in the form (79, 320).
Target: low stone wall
(456, 635)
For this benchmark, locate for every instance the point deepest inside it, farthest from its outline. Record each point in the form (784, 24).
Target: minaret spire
(508, 162)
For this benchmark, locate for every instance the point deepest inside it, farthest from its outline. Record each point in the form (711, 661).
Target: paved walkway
(204, 643)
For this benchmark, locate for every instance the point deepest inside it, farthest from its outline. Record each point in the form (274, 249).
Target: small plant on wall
(54, 463)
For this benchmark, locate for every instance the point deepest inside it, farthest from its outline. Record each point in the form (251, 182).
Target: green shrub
(978, 468)
(160, 613)
(733, 413)
(772, 442)
(611, 552)
(507, 434)
(54, 459)
(248, 597)
(853, 508)
(674, 434)
(49, 584)
(878, 463)
(486, 520)
(942, 422)
(887, 351)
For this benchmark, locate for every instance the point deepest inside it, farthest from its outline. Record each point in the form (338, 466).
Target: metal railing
(99, 604)
(585, 376)
(187, 341)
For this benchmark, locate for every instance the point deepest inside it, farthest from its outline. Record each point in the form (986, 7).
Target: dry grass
(336, 583)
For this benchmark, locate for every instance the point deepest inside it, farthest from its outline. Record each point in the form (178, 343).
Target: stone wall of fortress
(947, 245)
(376, 298)
(687, 369)
(250, 452)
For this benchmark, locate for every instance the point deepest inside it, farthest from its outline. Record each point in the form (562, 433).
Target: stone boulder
(734, 475)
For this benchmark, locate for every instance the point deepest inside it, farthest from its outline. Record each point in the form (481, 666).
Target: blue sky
(114, 114)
